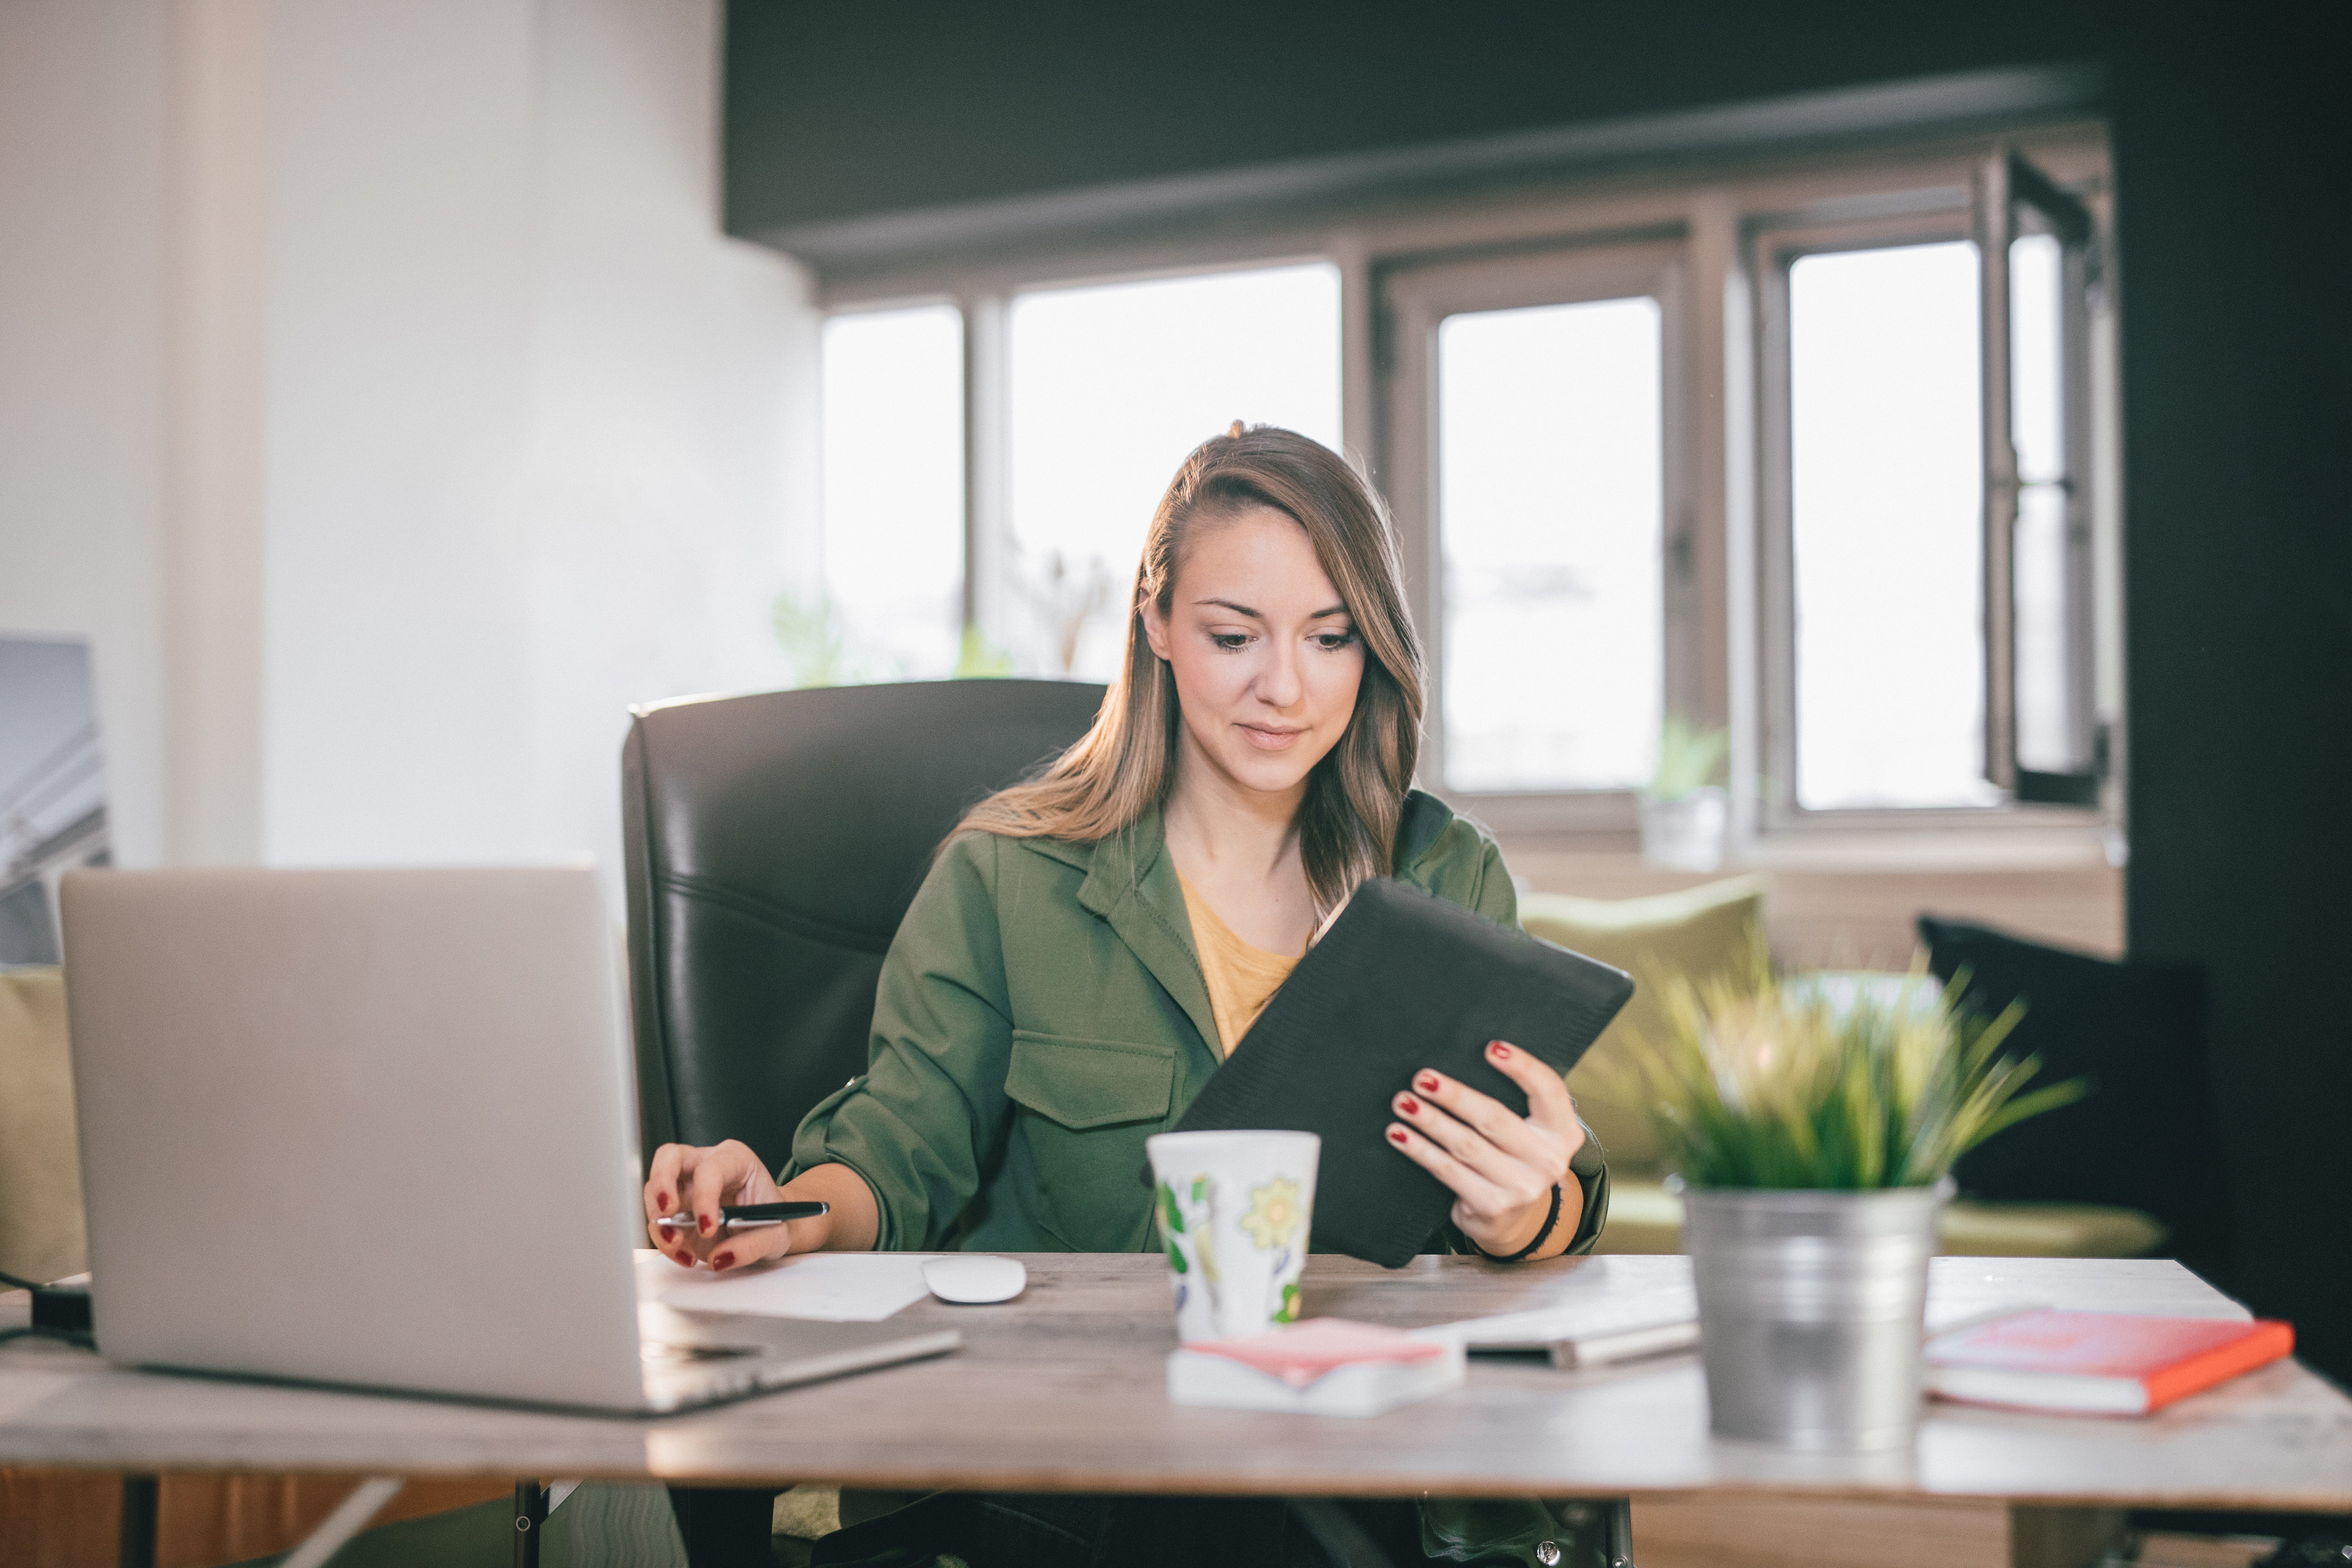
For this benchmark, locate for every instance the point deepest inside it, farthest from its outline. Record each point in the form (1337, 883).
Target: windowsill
(1833, 850)
(2014, 847)
(1855, 903)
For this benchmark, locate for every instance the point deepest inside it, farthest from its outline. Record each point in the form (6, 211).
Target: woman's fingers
(1502, 1162)
(698, 1183)
(661, 1180)
(1477, 1193)
(1547, 1140)
(733, 1249)
(1549, 1101)
(1500, 1165)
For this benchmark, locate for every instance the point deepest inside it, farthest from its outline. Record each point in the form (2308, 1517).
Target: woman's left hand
(1501, 1168)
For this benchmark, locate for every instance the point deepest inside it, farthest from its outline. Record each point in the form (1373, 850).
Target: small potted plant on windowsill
(1684, 810)
(1812, 1143)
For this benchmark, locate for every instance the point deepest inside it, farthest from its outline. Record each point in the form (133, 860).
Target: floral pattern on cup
(1233, 1227)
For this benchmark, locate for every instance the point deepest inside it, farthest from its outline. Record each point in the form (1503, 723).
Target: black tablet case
(1402, 981)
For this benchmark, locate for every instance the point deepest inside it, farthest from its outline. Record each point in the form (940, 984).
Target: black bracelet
(1542, 1236)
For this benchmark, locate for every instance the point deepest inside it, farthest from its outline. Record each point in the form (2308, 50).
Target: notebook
(2113, 1363)
(1402, 981)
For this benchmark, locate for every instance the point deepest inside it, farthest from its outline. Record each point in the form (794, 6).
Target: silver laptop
(378, 1129)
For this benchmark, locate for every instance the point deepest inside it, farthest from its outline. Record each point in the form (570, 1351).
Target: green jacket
(1041, 1014)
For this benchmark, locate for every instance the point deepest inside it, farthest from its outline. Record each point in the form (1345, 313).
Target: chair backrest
(771, 844)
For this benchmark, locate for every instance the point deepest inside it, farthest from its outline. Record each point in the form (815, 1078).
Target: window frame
(1724, 656)
(1416, 298)
(2013, 196)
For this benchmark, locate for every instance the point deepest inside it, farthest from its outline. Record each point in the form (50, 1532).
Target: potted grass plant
(1684, 812)
(1813, 1139)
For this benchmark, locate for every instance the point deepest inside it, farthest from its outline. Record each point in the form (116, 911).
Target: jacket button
(1548, 1553)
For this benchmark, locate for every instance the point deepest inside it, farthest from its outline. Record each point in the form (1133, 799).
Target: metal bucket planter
(1809, 1308)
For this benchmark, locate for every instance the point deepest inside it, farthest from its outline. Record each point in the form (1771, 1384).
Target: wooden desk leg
(530, 1517)
(137, 1542)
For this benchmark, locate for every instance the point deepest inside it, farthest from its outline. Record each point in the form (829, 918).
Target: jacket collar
(1131, 884)
(1424, 822)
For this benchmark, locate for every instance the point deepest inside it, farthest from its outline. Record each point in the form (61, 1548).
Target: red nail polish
(724, 1260)
(1426, 1083)
(702, 1224)
(1502, 1052)
(1408, 1105)
(1396, 1135)
(661, 1200)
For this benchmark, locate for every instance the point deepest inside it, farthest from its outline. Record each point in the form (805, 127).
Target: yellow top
(1242, 979)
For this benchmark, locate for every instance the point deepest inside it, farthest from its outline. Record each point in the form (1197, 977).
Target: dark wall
(846, 111)
(2232, 171)
(2233, 161)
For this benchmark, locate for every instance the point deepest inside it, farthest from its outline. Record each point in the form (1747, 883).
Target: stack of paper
(1324, 1366)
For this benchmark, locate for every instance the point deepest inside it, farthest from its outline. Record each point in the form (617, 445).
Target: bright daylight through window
(893, 501)
(2046, 699)
(1887, 486)
(1608, 545)
(1112, 385)
(1550, 501)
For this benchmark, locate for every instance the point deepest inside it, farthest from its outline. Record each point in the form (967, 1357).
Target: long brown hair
(1124, 765)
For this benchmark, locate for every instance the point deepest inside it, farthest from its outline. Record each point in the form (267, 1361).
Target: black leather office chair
(771, 844)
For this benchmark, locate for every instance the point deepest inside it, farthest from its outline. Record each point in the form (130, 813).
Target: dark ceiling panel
(846, 111)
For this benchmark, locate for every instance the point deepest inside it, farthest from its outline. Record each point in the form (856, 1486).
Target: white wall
(531, 440)
(81, 389)
(528, 418)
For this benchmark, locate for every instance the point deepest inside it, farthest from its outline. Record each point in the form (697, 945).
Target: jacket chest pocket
(1084, 1107)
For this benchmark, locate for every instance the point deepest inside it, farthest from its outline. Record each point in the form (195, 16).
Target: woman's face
(1266, 657)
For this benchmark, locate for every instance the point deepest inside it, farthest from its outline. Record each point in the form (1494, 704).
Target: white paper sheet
(836, 1287)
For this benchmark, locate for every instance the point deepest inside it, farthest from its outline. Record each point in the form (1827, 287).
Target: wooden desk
(1064, 1390)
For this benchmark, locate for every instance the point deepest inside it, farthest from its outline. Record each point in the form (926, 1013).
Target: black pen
(751, 1216)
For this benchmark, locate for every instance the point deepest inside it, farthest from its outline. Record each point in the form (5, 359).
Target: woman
(1088, 945)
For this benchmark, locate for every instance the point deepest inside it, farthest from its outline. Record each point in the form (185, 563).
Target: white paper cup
(1234, 1211)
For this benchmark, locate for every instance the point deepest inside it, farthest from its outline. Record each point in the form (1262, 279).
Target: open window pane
(893, 453)
(1886, 484)
(1112, 386)
(1549, 486)
(2046, 722)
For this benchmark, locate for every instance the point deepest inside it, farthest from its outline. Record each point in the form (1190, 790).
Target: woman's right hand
(696, 1181)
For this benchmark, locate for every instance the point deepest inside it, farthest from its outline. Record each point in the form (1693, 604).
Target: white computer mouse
(974, 1279)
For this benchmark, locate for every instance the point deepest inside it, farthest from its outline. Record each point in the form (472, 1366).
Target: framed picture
(52, 788)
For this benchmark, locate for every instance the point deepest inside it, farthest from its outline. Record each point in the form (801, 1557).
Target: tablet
(1402, 981)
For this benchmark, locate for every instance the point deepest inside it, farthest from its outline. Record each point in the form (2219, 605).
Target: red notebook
(2107, 1363)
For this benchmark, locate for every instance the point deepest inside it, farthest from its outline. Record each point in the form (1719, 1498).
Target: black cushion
(771, 844)
(2146, 1135)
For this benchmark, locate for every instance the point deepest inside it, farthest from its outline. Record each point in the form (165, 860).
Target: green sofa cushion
(1699, 933)
(40, 1171)
(1643, 1217)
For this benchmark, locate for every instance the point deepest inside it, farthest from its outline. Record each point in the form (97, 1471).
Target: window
(1809, 453)
(893, 458)
(1925, 518)
(1110, 386)
(1532, 479)
(2043, 737)
(1885, 477)
(1549, 501)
